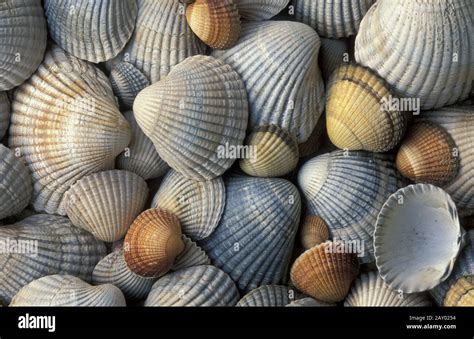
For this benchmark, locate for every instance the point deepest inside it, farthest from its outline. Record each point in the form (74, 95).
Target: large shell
(49, 245)
(197, 204)
(66, 290)
(257, 10)
(199, 108)
(23, 40)
(440, 72)
(255, 236)
(4, 113)
(106, 203)
(192, 255)
(347, 190)
(278, 62)
(417, 238)
(66, 125)
(95, 31)
(268, 296)
(369, 289)
(313, 231)
(113, 270)
(127, 81)
(161, 39)
(332, 18)
(195, 286)
(358, 112)
(15, 184)
(332, 54)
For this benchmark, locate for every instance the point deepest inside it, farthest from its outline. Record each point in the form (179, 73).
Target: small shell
(461, 293)
(314, 231)
(127, 81)
(95, 31)
(195, 286)
(417, 256)
(15, 184)
(275, 155)
(325, 273)
(308, 302)
(4, 113)
(215, 22)
(153, 242)
(369, 289)
(113, 270)
(332, 54)
(258, 10)
(66, 290)
(200, 107)
(268, 296)
(358, 112)
(192, 255)
(197, 204)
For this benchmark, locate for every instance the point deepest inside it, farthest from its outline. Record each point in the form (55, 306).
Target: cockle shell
(192, 255)
(215, 22)
(197, 204)
(66, 290)
(347, 190)
(417, 238)
(23, 37)
(4, 113)
(278, 62)
(369, 289)
(308, 302)
(195, 286)
(324, 273)
(332, 54)
(439, 70)
(95, 31)
(66, 125)
(332, 18)
(49, 245)
(153, 242)
(106, 203)
(254, 239)
(15, 184)
(358, 112)
(258, 10)
(127, 81)
(461, 293)
(314, 231)
(268, 296)
(113, 270)
(199, 108)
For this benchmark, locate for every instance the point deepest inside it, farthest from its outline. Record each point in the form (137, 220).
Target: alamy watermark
(346, 246)
(14, 246)
(391, 103)
(228, 151)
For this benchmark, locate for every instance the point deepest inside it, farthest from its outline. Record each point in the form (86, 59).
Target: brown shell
(313, 231)
(461, 293)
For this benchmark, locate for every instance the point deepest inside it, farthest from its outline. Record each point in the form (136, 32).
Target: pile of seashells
(236, 153)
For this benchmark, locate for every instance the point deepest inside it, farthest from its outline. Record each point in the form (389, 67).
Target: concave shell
(278, 62)
(4, 113)
(195, 286)
(440, 72)
(417, 238)
(50, 245)
(358, 112)
(127, 81)
(325, 273)
(347, 190)
(314, 231)
(192, 255)
(215, 22)
(153, 242)
(15, 184)
(258, 10)
(308, 302)
(162, 39)
(275, 152)
(197, 204)
(332, 54)
(23, 39)
(268, 296)
(106, 203)
(254, 239)
(199, 108)
(113, 270)
(66, 290)
(66, 125)
(332, 18)
(369, 289)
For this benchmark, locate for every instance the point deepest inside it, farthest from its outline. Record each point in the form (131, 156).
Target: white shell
(308, 302)
(4, 113)
(192, 255)
(268, 296)
(257, 10)
(127, 81)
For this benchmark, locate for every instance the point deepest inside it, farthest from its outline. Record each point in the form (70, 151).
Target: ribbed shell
(189, 115)
(278, 62)
(268, 296)
(127, 81)
(258, 10)
(61, 249)
(66, 125)
(313, 231)
(195, 286)
(161, 39)
(332, 18)
(424, 49)
(106, 203)
(255, 236)
(23, 40)
(332, 54)
(113, 270)
(15, 184)
(4, 113)
(197, 204)
(192, 255)
(66, 290)
(369, 289)
(461, 293)
(358, 115)
(417, 238)
(348, 190)
(308, 302)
